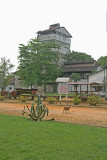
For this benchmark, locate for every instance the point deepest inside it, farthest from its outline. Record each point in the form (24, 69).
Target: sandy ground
(80, 114)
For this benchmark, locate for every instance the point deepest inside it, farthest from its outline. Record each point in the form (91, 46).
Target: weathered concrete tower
(60, 35)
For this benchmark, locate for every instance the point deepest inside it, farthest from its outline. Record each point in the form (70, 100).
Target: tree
(5, 75)
(75, 76)
(102, 61)
(78, 56)
(38, 63)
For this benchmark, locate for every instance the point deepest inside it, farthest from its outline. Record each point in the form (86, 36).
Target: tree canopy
(78, 56)
(75, 76)
(5, 75)
(102, 61)
(38, 63)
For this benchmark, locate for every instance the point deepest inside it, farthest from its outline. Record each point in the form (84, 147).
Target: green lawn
(56, 94)
(21, 139)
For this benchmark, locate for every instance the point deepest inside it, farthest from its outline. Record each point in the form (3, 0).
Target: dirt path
(77, 114)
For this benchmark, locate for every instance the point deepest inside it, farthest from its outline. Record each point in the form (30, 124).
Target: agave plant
(38, 112)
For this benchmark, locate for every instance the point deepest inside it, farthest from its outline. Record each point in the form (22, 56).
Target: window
(10, 88)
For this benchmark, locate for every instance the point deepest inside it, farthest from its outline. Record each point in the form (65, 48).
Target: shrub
(94, 100)
(77, 100)
(50, 100)
(22, 99)
(1, 98)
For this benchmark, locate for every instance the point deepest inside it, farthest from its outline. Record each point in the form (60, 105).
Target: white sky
(85, 20)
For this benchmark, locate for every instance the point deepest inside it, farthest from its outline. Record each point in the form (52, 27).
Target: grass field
(56, 94)
(21, 139)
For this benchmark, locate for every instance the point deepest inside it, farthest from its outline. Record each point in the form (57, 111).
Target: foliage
(52, 94)
(37, 113)
(22, 98)
(78, 56)
(73, 94)
(94, 100)
(38, 63)
(77, 100)
(102, 61)
(1, 98)
(64, 95)
(5, 75)
(50, 99)
(23, 140)
(75, 76)
(35, 100)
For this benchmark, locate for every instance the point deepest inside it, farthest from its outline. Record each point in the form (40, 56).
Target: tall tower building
(61, 37)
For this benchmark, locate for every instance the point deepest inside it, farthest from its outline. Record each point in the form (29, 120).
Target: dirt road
(77, 114)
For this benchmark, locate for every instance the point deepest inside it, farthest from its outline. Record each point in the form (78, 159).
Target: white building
(100, 77)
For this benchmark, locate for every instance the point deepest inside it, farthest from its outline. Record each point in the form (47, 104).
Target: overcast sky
(85, 20)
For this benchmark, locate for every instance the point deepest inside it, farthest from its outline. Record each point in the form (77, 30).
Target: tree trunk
(44, 88)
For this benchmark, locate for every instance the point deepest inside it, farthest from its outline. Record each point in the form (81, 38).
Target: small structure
(78, 88)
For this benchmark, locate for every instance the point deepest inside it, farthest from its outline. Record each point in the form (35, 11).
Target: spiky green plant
(38, 112)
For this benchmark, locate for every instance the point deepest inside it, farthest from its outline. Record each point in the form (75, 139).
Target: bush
(50, 100)
(94, 100)
(1, 98)
(77, 100)
(22, 99)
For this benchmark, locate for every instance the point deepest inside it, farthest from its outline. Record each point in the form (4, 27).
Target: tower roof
(53, 28)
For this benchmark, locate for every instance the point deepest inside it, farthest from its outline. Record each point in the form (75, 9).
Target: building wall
(61, 36)
(18, 84)
(49, 89)
(97, 77)
(54, 36)
(63, 31)
(10, 88)
(62, 41)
